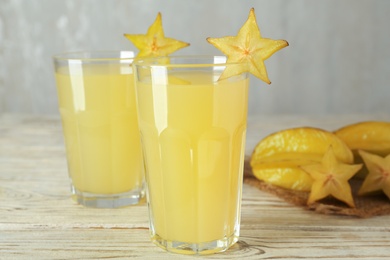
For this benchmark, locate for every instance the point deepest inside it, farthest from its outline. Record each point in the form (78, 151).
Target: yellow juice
(193, 136)
(98, 111)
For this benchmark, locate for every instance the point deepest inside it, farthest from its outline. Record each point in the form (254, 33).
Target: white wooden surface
(38, 220)
(338, 60)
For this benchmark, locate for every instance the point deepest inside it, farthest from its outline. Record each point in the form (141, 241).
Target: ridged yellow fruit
(369, 136)
(277, 159)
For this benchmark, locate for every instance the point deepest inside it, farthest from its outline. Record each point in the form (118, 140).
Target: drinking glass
(193, 130)
(97, 104)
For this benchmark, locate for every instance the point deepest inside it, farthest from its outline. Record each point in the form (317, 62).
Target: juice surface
(98, 111)
(193, 133)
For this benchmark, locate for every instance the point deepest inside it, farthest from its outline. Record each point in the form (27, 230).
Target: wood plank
(38, 220)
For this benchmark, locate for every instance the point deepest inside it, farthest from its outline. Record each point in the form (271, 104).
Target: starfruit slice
(378, 178)
(249, 49)
(331, 179)
(154, 43)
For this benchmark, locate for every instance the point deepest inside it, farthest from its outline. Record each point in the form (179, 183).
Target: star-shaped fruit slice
(154, 43)
(378, 178)
(249, 49)
(331, 179)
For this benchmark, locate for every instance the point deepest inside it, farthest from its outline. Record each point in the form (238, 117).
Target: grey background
(338, 61)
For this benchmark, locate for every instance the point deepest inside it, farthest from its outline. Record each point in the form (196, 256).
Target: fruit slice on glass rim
(154, 43)
(249, 49)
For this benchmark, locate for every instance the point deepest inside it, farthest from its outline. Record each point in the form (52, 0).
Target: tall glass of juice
(193, 130)
(96, 98)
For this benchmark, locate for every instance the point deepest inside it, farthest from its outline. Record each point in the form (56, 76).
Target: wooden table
(38, 220)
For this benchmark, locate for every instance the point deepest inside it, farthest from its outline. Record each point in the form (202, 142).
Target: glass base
(205, 248)
(118, 200)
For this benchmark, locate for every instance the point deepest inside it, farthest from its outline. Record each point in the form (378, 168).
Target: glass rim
(83, 55)
(213, 61)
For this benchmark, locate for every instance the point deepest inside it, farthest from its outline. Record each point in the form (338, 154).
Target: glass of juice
(96, 99)
(193, 130)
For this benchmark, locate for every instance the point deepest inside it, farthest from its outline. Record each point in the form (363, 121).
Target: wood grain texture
(38, 220)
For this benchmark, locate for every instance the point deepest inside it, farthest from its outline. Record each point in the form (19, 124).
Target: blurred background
(338, 61)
